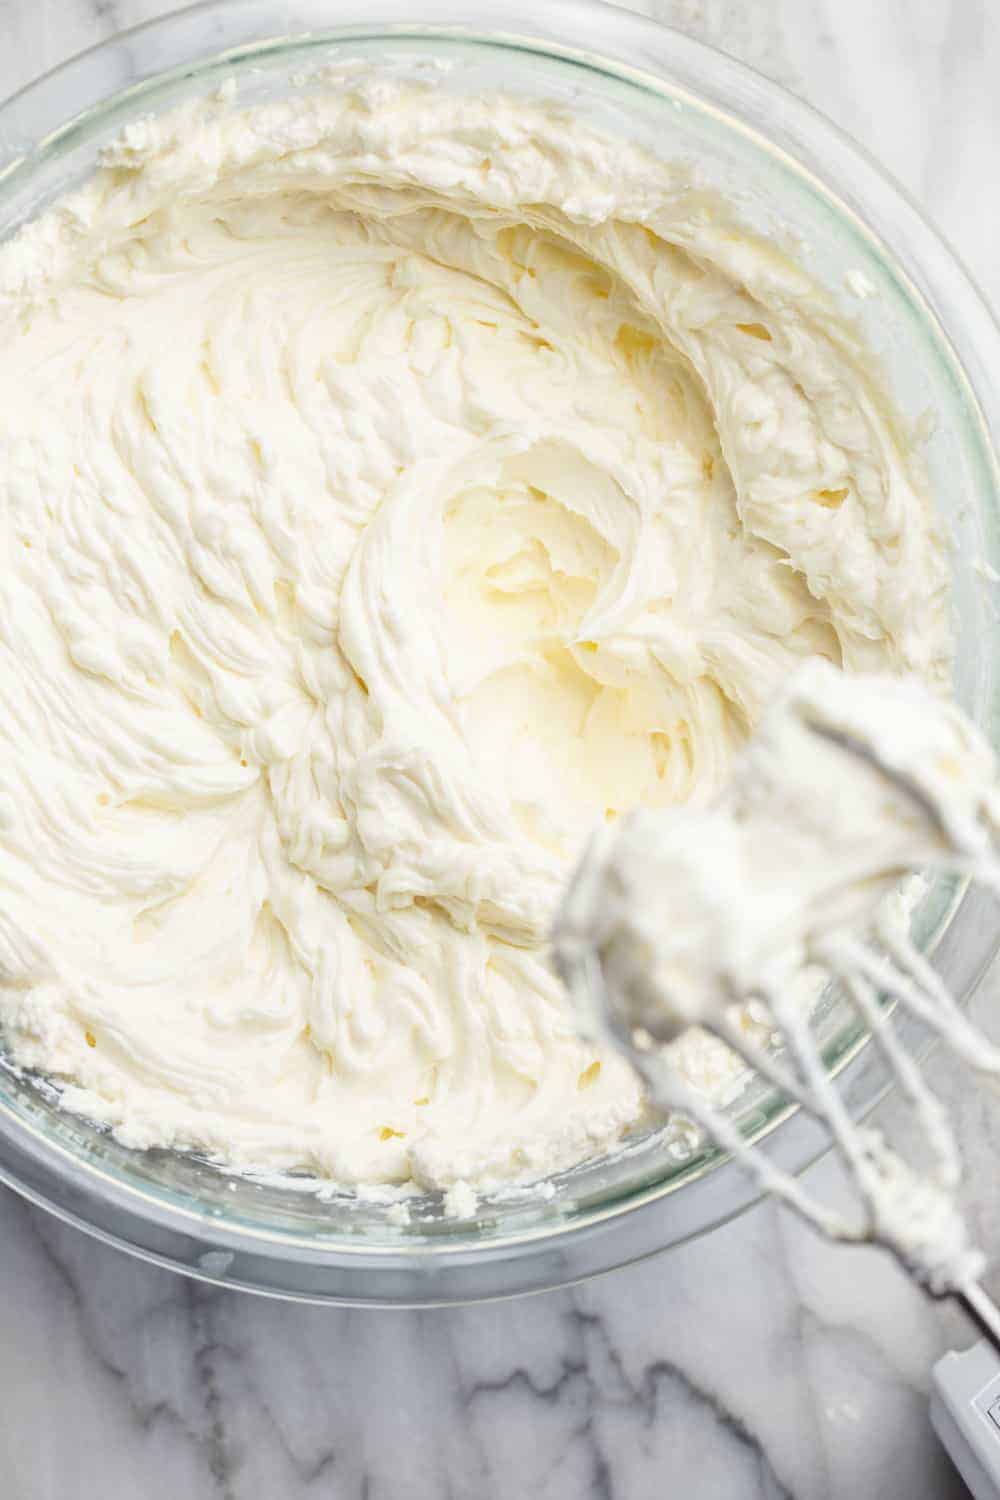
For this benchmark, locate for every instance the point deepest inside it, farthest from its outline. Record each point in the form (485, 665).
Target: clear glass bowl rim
(32, 122)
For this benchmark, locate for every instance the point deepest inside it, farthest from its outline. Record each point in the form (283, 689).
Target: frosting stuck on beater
(678, 917)
(393, 485)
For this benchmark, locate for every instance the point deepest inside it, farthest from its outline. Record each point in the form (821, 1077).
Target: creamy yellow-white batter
(392, 485)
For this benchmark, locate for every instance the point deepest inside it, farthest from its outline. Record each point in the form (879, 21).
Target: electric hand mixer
(710, 916)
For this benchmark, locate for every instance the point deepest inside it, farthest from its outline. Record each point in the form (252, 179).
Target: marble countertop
(758, 1364)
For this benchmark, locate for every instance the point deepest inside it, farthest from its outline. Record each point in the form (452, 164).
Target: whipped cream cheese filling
(393, 484)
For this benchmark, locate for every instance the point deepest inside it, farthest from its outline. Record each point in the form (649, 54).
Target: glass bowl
(793, 175)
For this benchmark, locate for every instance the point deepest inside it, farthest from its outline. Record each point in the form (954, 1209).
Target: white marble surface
(754, 1365)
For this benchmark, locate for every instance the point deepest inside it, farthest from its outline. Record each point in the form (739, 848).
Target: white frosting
(848, 784)
(393, 484)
